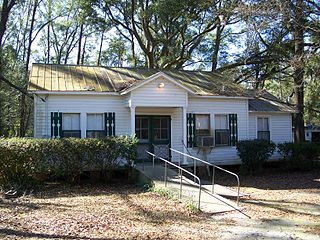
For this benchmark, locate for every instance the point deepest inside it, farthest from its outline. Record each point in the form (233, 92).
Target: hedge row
(295, 156)
(300, 156)
(26, 161)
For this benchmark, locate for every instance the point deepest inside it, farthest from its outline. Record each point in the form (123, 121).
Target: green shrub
(23, 162)
(299, 156)
(253, 153)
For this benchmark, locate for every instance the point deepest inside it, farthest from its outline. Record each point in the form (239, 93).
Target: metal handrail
(213, 170)
(181, 170)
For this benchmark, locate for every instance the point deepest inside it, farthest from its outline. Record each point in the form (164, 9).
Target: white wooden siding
(83, 105)
(221, 155)
(280, 125)
(151, 95)
(40, 119)
(149, 101)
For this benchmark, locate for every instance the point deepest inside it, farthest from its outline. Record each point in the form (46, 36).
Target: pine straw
(113, 212)
(100, 213)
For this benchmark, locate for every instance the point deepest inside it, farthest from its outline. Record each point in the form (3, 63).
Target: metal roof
(77, 78)
(266, 102)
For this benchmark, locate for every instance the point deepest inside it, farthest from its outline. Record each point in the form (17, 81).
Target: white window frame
(228, 128)
(269, 121)
(210, 124)
(63, 125)
(103, 122)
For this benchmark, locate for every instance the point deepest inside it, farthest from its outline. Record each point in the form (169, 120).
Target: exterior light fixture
(161, 85)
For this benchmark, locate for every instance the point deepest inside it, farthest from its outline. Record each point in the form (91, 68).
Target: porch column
(133, 120)
(184, 132)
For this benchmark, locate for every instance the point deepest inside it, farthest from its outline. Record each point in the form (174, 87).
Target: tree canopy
(261, 44)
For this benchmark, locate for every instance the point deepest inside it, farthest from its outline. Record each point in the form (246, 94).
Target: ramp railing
(166, 162)
(195, 159)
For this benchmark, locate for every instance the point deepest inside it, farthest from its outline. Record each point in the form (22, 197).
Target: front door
(154, 134)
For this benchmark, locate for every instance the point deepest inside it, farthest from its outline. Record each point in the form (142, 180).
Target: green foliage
(162, 192)
(254, 153)
(299, 156)
(115, 54)
(24, 161)
(13, 70)
(192, 207)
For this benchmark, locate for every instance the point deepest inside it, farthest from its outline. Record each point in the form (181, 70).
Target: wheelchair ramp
(209, 202)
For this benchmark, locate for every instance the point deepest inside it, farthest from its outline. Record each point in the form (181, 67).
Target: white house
(203, 113)
(312, 133)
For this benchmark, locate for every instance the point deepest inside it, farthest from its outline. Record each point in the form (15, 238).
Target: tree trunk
(216, 48)
(48, 33)
(298, 66)
(23, 127)
(80, 43)
(48, 43)
(7, 5)
(100, 49)
(134, 57)
(84, 51)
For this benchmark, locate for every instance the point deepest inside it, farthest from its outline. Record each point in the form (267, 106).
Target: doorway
(154, 134)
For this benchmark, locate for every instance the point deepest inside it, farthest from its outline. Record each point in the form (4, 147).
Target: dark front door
(154, 134)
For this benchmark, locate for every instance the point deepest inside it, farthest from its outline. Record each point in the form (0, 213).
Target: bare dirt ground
(280, 206)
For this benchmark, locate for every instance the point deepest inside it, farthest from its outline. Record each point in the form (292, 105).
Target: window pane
(222, 137)
(144, 123)
(221, 122)
(264, 135)
(69, 134)
(260, 124)
(157, 133)
(70, 121)
(164, 134)
(164, 123)
(144, 134)
(263, 124)
(202, 122)
(66, 122)
(96, 134)
(95, 121)
(266, 124)
(156, 123)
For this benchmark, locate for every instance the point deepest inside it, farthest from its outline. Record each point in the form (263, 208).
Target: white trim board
(152, 78)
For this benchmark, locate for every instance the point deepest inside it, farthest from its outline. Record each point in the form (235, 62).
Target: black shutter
(191, 130)
(56, 125)
(110, 124)
(233, 127)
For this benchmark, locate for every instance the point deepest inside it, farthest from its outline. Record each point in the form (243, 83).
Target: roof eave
(74, 93)
(269, 112)
(222, 96)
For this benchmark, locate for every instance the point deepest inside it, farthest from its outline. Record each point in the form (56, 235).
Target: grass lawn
(281, 206)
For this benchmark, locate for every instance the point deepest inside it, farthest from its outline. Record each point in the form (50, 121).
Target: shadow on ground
(275, 180)
(25, 234)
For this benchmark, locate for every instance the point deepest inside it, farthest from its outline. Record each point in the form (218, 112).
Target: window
(222, 134)
(263, 128)
(142, 129)
(95, 126)
(202, 124)
(161, 128)
(71, 125)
